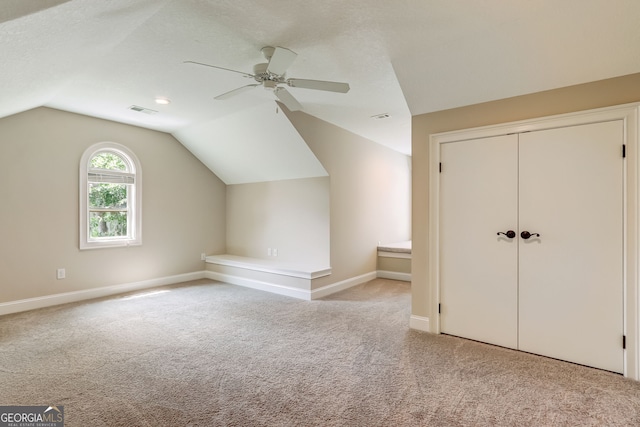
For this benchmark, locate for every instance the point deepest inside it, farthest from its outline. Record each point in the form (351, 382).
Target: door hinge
(624, 342)
(624, 150)
(439, 308)
(440, 166)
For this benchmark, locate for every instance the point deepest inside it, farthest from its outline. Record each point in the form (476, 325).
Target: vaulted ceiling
(401, 58)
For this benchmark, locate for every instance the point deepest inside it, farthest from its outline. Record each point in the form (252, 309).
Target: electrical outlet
(61, 273)
(275, 252)
(203, 256)
(269, 252)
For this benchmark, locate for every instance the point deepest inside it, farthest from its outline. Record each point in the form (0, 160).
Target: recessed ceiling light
(381, 116)
(162, 101)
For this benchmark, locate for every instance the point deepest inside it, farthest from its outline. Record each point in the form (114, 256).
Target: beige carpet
(211, 354)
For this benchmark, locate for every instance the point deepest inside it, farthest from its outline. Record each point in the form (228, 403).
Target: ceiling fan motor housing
(269, 80)
(260, 73)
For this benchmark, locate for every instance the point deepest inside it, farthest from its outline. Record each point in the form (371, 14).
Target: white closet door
(478, 268)
(571, 277)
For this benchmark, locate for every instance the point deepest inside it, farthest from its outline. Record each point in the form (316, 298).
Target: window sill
(109, 244)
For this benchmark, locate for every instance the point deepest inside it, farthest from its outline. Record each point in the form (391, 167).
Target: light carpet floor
(211, 354)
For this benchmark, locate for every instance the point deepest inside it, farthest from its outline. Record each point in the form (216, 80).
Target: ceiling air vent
(381, 116)
(142, 109)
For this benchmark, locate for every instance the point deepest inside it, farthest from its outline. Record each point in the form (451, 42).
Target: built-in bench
(304, 281)
(285, 278)
(394, 261)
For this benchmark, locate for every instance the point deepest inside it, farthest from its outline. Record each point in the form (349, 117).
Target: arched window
(110, 196)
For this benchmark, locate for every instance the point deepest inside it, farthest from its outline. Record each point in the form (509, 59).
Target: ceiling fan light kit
(272, 75)
(270, 84)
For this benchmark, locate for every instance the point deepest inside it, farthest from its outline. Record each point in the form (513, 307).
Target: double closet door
(532, 242)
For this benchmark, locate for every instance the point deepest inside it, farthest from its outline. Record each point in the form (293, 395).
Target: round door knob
(525, 235)
(510, 234)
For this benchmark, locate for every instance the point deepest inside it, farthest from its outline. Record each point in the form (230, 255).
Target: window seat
(296, 280)
(394, 261)
(395, 250)
(303, 271)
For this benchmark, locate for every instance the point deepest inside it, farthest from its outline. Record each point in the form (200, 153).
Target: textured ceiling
(404, 57)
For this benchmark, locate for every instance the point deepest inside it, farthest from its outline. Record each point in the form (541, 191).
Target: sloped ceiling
(277, 154)
(403, 57)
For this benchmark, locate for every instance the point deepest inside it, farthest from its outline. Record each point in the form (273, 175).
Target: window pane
(110, 197)
(108, 160)
(107, 224)
(107, 195)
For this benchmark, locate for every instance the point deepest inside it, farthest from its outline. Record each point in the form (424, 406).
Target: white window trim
(135, 218)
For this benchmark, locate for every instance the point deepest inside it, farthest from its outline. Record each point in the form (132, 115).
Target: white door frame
(630, 115)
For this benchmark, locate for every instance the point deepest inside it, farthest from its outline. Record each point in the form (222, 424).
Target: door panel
(478, 269)
(571, 277)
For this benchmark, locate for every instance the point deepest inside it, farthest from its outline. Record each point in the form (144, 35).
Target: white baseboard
(420, 323)
(341, 286)
(259, 285)
(303, 294)
(67, 297)
(394, 275)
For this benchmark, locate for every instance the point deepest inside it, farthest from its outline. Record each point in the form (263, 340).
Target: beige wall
(291, 215)
(399, 265)
(370, 195)
(183, 206)
(598, 94)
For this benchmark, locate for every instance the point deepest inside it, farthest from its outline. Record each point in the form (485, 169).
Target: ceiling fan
(271, 75)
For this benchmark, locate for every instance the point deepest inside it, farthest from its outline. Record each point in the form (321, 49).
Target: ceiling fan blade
(220, 68)
(235, 92)
(281, 60)
(287, 99)
(319, 85)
